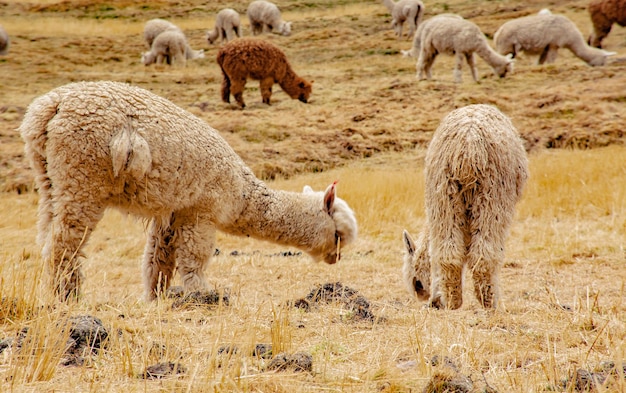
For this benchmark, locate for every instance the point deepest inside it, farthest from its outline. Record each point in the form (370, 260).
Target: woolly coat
(543, 35)
(4, 41)
(460, 38)
(261, 60)
(227, 26)
(95, 145)
(603, 14)
(423, 30)
(169, 47)
(263, 14)
(154, 27)
(475, 170)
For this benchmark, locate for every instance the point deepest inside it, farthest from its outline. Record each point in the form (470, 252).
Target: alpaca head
(345, 228)
(148, 58)
(506, 67)
(600, 57)
(416, 268)
(303, 92)
(285, 29)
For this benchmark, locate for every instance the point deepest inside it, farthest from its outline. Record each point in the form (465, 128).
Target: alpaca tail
(34, 133)
(130, 152)
(226, 79)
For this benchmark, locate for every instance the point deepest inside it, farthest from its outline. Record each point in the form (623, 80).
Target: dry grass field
(368, 122)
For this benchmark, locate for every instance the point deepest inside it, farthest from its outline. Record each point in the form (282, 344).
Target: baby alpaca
(603, 14)
(460, 38)
(263, 14)
(475, 171)
(261, 60)
(543, 35)
(410, 11)
(227, 26)
(4, 41)
(99, 145)
(154, 27)
(169, 47)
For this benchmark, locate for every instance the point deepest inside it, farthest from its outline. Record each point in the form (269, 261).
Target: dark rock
(161, 370)
(299, 361)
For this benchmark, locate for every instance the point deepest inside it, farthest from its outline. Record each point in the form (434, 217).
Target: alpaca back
(476, 150)
(75, 137)
(254, 59)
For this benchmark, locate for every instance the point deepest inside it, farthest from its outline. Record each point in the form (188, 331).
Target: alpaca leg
(553, 52)
(447, 249)
(458, 68)
(71, 227)
(225, 87)
(236, 89)
(424, 65)
(472, 65)
(159, 257)
(484, 263)
(195, 240)
(266, 89)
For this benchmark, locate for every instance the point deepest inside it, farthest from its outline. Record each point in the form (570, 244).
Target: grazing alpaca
(258, 59)
(603, 14)
(476, 168)
(410, 11)
(543, 35)
(169, 47)
(460, 38)
(154, 27)
(95, 145)
(227, 26)
(264, 14)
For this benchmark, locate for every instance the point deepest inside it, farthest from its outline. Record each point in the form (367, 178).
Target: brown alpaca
(603, 14)
(261, 60)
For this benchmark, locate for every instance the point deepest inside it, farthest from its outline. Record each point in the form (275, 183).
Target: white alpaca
(154, 27)
(543, 35)
(4, 41)
(169, 47)
(422, 30)
(263, 14)
(460, 38)
(475, 171)
(227, 26)
(95, 145)
(410, 11)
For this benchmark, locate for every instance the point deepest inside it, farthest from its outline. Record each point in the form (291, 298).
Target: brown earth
(366, 99)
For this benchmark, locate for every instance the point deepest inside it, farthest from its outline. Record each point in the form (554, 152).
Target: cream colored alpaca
(543, 35)
(475, 171)
(95, 145)
(409, 11)
(460, 38)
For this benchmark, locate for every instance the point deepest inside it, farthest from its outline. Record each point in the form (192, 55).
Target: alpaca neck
(592, 56)
(493, 58)
(389, 4)
(287, 218)
(289, 83)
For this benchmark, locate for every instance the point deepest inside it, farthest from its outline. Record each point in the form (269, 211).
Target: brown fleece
(261, 60)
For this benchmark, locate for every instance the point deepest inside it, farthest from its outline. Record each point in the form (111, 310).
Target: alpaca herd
(95, 145)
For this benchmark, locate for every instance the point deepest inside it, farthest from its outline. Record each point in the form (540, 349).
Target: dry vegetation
(368, 122)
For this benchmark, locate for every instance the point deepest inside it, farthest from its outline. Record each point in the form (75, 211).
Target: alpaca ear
(607, 53)
(307, 190)
(329, 197)
(408, 242)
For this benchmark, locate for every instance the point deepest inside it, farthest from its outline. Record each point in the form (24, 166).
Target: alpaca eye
(336, 238)
(418, 286)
